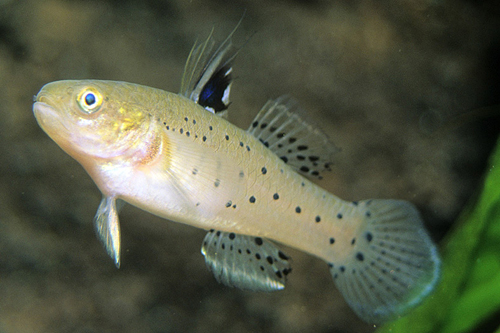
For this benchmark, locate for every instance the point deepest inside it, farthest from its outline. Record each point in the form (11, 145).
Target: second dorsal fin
(207, 76)
(280, 126)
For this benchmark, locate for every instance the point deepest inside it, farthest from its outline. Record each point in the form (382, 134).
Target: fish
(176, 155)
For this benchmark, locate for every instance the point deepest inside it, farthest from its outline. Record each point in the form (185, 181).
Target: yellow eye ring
(89, 100)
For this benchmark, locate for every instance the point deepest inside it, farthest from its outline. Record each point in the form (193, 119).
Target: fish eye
(89, 100)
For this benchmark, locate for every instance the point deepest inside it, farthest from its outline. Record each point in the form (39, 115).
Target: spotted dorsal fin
(207, 76)
(280, 126)
(245, 262)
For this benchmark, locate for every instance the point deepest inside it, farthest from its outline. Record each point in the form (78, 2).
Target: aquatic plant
(468, 295)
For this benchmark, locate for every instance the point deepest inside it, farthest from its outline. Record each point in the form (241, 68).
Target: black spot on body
(278, 274)
(304, 168)
(227, 137)
(342, 269)
(284, 158)
(257, 256)
(252, 199)
(186, 119)
(276, 196)
(353, 241)
(217, 183)
(300, 158)
(368, 214)
(228, 204)
(264, 170)
(255, 124)
(258, 241)
(181, 131)
(241, 144)
(232, 235)
(264, 125)
(339, 216)
(282, 255)
(269, 260)
(204, 138)
(292, 140)
(332, 240)
(218, 233)
(298, 210)
(360, 256)
(369, 236)
(210, 128)
(302, 147)
(318, 219)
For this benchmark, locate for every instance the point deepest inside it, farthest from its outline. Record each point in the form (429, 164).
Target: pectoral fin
(245, 262)
(107, 227)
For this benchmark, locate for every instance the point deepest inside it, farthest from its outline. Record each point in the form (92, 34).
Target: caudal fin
(394, 263)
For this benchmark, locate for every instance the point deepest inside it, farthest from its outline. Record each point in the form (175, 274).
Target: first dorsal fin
(280, 126)
(207, 76)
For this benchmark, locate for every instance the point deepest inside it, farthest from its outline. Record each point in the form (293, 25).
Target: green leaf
(469, 290)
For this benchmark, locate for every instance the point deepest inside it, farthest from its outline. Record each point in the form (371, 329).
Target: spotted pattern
(245, 262)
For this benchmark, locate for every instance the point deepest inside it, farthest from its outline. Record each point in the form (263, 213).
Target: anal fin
(245, 262)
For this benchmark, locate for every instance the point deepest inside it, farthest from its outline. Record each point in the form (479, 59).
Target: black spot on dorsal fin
(215, 94)
(207, 75)
(280, 126)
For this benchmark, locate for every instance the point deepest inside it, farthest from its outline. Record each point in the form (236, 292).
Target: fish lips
(49, 119)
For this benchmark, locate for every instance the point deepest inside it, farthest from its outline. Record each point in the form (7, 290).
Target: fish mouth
(48, 117)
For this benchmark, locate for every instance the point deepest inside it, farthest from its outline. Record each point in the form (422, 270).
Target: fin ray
(245, 262)
(107, 226)
(393, 265)
(207, 76)
(281, 127)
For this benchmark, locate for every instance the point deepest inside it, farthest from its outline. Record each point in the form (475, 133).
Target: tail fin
(394, 264)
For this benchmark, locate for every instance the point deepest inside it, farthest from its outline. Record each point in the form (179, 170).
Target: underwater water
(386, 81)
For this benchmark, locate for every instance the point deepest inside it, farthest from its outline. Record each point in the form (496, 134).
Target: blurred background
(405, 89)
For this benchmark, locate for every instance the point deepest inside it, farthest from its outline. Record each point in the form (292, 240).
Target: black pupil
(90, 99)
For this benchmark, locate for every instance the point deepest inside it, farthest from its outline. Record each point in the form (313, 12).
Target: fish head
(91, 118)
